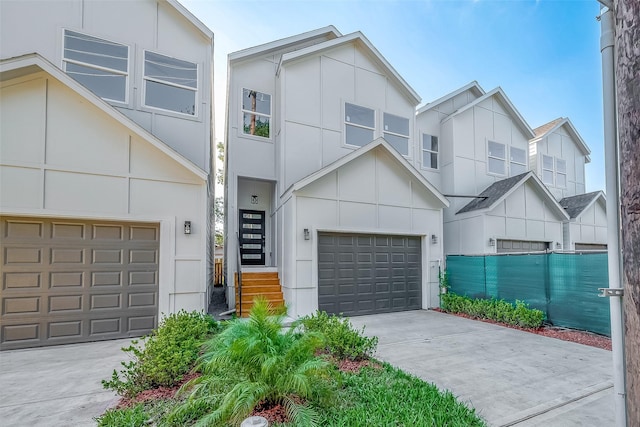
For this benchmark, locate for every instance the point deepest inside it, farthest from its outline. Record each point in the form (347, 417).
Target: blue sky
(544, 54)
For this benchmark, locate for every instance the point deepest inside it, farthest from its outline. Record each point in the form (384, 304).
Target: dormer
(558, 154)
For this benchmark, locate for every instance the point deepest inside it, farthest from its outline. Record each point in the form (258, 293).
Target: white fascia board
(286, 42)
(379, 142)
(472, 85)
(573, 132)
(498, 92)
(351, 38)
(33, 62)
(191, 18)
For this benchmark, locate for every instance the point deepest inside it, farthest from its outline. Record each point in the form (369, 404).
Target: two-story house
(105, 168)
(323, 189)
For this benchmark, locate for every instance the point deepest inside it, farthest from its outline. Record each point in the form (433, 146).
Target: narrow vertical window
(517, 161)
(360, 124)
(547, 169)
(429, 151)
(497, 158)
(170, 84)
(396, 132)
(256, 113)
(99, 65)
(561, 173)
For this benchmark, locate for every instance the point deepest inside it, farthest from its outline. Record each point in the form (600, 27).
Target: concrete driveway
(57, 386)
(512, 378)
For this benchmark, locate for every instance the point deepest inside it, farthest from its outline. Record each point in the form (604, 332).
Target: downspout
(612, 169)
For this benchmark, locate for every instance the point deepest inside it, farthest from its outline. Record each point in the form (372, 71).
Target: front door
(252, 238)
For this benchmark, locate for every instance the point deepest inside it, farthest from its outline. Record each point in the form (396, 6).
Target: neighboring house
(105, 158)
(587, 229)
(323, 187)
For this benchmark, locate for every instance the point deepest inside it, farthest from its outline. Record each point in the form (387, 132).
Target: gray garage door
(365, 274)
(66, 281)
(506, 246)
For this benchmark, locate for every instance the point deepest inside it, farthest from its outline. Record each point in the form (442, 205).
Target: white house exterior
(322, 178)
(587, 228)
(105, 160)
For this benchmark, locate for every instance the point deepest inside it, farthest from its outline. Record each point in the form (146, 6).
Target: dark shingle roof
(492, 193)
(574, 205)
(541, 130)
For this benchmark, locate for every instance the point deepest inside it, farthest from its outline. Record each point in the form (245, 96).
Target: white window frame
(558, 173)
(548, 170)
(503, 159)
(407, 136)
(243, 111)
(126, 74)
(430, 151)
(346, 123)
(164, 82)
(513, 162)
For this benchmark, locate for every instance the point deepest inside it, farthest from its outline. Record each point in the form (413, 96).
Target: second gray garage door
(362, 274)
(69, 281)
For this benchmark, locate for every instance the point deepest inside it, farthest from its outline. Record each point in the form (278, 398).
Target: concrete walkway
(57, 386)
(512, 378)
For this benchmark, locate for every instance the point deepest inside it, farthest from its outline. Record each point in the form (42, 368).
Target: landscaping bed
(318, 372)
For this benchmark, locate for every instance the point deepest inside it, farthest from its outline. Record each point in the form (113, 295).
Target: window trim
(504, 159)
(345, 123)
(243, 111)
(196, 90)
(552, 170)
(126, 74)
(423, 150)
(525, 164)
(557, 172)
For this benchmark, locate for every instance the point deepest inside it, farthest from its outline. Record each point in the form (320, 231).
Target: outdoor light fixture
(434, 239)
(187, 227)
(492, 241)
(254, 199)
(306, 234)
(558, 245)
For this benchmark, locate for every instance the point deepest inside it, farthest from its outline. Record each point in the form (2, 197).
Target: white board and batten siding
(63, 157)
(590, 227)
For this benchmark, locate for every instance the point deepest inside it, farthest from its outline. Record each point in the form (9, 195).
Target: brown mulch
(273, 413)
(155, 393)
(565, 334)
(354, 366)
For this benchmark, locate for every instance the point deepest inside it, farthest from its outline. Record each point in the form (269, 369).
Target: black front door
(252, 237)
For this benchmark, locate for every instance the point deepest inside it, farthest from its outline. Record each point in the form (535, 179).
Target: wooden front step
(266, 284)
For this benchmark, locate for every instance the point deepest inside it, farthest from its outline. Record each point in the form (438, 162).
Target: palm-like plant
(271, 365)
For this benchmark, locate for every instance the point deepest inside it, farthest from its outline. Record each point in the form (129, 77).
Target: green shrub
(162, 358)
(341, 339)
(134, 416)
(265, 364)
(493, 309)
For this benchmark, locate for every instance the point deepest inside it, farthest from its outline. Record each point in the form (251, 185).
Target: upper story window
(429, 151)
(256, 113)
(497, 158)
(360, 124)
(547, 169)
(518, 161)
(99, 65)
(396, 132)
(561, 173)
(170, 84)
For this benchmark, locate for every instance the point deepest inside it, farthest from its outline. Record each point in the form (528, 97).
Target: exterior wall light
(187, 227)
(434, 239)
(558, 245)
(306, 234)
(492, 241)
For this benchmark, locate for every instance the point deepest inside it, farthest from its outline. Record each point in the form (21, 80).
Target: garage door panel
(80, 281)
(375, 273)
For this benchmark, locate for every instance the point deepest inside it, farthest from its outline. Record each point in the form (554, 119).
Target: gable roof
(379, 142)
(556, 124)
(504, 100)
(472, 86)
(577, 204)
(321, 34)
(191, 18)
(500, 190)
(32, 63)
(360, 39)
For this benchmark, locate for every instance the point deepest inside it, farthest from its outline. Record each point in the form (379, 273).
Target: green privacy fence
(563, 285)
